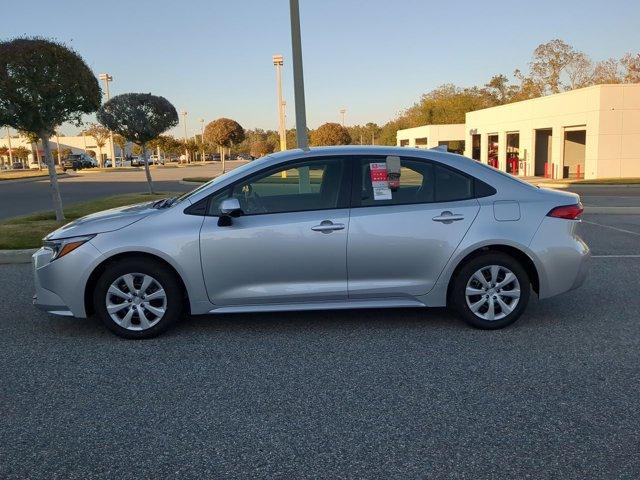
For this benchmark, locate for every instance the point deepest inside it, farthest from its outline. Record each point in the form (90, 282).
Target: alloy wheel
(136, 301)
(492, 292)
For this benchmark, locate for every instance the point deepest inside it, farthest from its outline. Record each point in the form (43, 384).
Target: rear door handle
(448, 217)
(327, 226)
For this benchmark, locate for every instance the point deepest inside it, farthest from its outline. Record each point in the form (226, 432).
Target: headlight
(65, 245)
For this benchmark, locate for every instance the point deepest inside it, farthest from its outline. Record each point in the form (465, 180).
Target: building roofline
(568, 92)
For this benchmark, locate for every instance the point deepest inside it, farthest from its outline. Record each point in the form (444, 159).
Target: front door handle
(327, 226)
(448, 217)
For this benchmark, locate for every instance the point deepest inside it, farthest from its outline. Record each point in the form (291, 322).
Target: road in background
(28, 196)
(608, 196)
(345, 394)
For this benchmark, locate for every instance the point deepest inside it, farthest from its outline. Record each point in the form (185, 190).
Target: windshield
(220, 179)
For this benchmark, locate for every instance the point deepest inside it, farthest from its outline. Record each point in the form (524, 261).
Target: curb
(32, 179)
(187, 182)
(585, 185)
(16, 256)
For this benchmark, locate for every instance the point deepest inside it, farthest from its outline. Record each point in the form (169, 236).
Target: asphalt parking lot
(348, 394)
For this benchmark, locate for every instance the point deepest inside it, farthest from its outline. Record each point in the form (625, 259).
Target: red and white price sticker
(380, 181)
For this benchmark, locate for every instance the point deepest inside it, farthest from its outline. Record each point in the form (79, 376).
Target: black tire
(163, 276)
(458, 298)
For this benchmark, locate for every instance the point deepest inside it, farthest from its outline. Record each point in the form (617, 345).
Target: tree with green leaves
(260, 148)
(44, 84)
(223, 133)
(330, 134)
(631, 66)
(100, 134)
(140, 118)
(191, 146)
(168, 145)
(21, 153)
(121, 142)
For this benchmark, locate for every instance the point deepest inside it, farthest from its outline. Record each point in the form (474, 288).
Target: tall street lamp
(278, 61)
(202, 139)
(10, 152)
(106, 78)
(186, 151)
(343, 111)
(298, 80)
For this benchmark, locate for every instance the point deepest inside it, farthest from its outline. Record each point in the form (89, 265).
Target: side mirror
(230, 208)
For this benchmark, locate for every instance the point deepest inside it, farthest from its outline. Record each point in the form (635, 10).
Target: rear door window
(396, 180)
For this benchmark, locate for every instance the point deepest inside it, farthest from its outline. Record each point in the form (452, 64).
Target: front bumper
(60, 285)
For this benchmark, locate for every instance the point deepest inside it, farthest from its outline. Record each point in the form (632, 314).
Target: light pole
(106, 78)
(343, 111)
(58, 149)
(9, 143)
(202, 139)
(186, 152)
(278, 61)
(298, 80)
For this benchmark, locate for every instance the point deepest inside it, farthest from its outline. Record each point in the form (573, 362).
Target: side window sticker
(380, 181)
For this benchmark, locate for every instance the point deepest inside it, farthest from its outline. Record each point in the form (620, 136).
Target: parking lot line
(612, 228)
(615, 256)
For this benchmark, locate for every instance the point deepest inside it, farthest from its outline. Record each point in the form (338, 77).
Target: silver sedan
(326, 228)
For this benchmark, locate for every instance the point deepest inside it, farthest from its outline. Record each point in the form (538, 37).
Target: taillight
(568, 212)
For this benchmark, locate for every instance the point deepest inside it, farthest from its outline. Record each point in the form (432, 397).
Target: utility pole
(186, 152)
(10, 152)
(108, 78)
(298, 78)
(278, 61)
(58, 149)
(343, 111)
(202, 139)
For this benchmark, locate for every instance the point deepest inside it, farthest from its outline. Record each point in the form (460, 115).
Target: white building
(430, 136)
(76, 144)
(591, 132)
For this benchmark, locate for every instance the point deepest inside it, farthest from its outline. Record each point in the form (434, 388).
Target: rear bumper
(563, 257)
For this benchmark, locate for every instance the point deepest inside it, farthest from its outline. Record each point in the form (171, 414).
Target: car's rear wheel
(137, 298)
(491, 291)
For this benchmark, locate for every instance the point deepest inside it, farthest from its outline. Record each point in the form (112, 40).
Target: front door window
(311, 185)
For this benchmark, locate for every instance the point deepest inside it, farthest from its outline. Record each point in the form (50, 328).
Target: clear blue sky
(375, 58)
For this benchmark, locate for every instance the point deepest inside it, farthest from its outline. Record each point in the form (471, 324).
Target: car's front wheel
(138, 298)
(491, 291)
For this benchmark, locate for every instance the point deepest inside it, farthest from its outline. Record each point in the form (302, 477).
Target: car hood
(105, 221)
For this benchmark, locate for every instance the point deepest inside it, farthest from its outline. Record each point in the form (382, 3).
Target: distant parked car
(17, 166)
(71, 163)
(244, 156)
